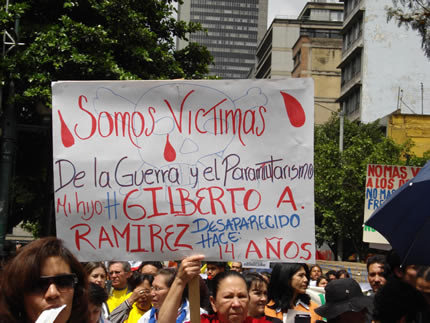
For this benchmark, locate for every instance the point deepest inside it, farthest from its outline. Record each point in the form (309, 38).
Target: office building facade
(233, 29)
(309, 46)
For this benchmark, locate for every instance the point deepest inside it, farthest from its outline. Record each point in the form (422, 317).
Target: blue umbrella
(404, 219)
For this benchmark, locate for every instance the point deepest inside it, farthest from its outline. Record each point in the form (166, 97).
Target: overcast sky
(285, 8)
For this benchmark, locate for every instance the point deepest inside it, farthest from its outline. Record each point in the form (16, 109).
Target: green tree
(340, 178)
(414, 14)
(80, 40)
(97, 40)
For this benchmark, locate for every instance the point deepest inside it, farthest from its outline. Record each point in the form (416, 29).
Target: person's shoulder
(269, 309)
(314, 315)
(313, 305)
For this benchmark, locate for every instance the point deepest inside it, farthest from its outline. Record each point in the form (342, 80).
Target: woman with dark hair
(150, 267)
(257, 290)
(41, 278)
(97, 296)
(229, 297)
(97, 274)
(287, 290)
(139, 302)
(322, 281)
(342, 273)
(331, 275)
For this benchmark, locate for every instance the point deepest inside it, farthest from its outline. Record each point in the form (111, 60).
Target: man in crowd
(345, 302)
(236, 266)
(150, 267)
(331, 275)
(119, 272)
(407, 273)
(376, 273)
(213, 268)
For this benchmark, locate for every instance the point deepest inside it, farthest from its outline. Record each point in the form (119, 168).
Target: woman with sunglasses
(139, 302)
(43, 276)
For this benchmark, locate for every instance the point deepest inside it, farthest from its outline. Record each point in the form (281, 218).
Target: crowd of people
(44, 282)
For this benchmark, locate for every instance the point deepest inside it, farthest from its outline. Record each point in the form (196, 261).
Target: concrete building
(234, 28)
(309, 46)
(383, 65)
(317, 53)
(275, 51)
(402, 127)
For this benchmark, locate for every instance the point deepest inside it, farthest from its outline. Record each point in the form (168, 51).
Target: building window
(320, 33)
(350, 70)
(352, 102)
(320, 14)
(352, 34)
(265, 46)
(297, 58)
(349, 6)
(336, 15)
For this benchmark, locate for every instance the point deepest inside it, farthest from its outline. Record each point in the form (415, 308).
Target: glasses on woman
(62, 282)
(157, 289)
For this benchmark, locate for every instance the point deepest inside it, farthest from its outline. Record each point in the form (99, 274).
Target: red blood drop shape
(66, 135)
(295, 111)
(169, 151)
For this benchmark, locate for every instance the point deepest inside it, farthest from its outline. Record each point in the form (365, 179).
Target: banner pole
(194, 299)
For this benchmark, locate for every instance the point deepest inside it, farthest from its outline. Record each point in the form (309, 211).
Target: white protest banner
(381, 182)
(159, 170)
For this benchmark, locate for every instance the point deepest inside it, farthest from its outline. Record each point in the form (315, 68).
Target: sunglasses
(61, 282)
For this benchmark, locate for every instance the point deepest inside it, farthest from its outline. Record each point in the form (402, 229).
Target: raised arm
(189, 268)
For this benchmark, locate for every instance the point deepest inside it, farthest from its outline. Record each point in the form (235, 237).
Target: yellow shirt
(135, 314)
(116, 298)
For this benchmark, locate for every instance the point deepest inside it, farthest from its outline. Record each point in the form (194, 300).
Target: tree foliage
(81, 40)
(97, 40)
(340, 177)
(415, 14)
